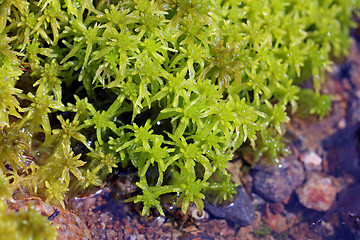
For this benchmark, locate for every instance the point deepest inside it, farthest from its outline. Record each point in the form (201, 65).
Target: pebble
(277, 185)
(312, 161)
(342, 124)
(318, 192)
(280, 222)
(194, 213)
(277, 207)
(241, 211)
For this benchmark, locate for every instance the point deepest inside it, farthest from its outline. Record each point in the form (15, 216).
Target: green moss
(263, 230)
(24, 224)
(172, 88)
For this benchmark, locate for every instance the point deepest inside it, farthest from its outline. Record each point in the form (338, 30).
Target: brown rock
(318, 192)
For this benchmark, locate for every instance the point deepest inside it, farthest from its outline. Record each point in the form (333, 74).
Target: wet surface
(348, 208)
(343, 150)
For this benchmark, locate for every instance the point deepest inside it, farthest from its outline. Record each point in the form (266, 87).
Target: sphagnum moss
(170, 87)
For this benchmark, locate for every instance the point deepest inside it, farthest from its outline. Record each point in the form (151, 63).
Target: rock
(277, 185)
(277, 207)
(194, 213)
(281, 221)
(241, 211)
(312, 161)
(318, 192)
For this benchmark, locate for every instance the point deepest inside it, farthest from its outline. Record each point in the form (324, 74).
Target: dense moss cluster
(171, 87)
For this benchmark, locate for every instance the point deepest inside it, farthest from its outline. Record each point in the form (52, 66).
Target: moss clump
(24, 224)
(170, 87)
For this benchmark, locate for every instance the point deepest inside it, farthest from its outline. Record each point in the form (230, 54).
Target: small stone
(342, 124)
(277, 207)
(312, 161)
(325, 229)
(277, 185)
(194, 213)
(241, 211)
(110, 234)
(88, 202)
(141, 237)
(159, 221)
(279, 222)
(234, 168)
(318, 192)
(117, 226)
(105, 217)
(257, 201)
